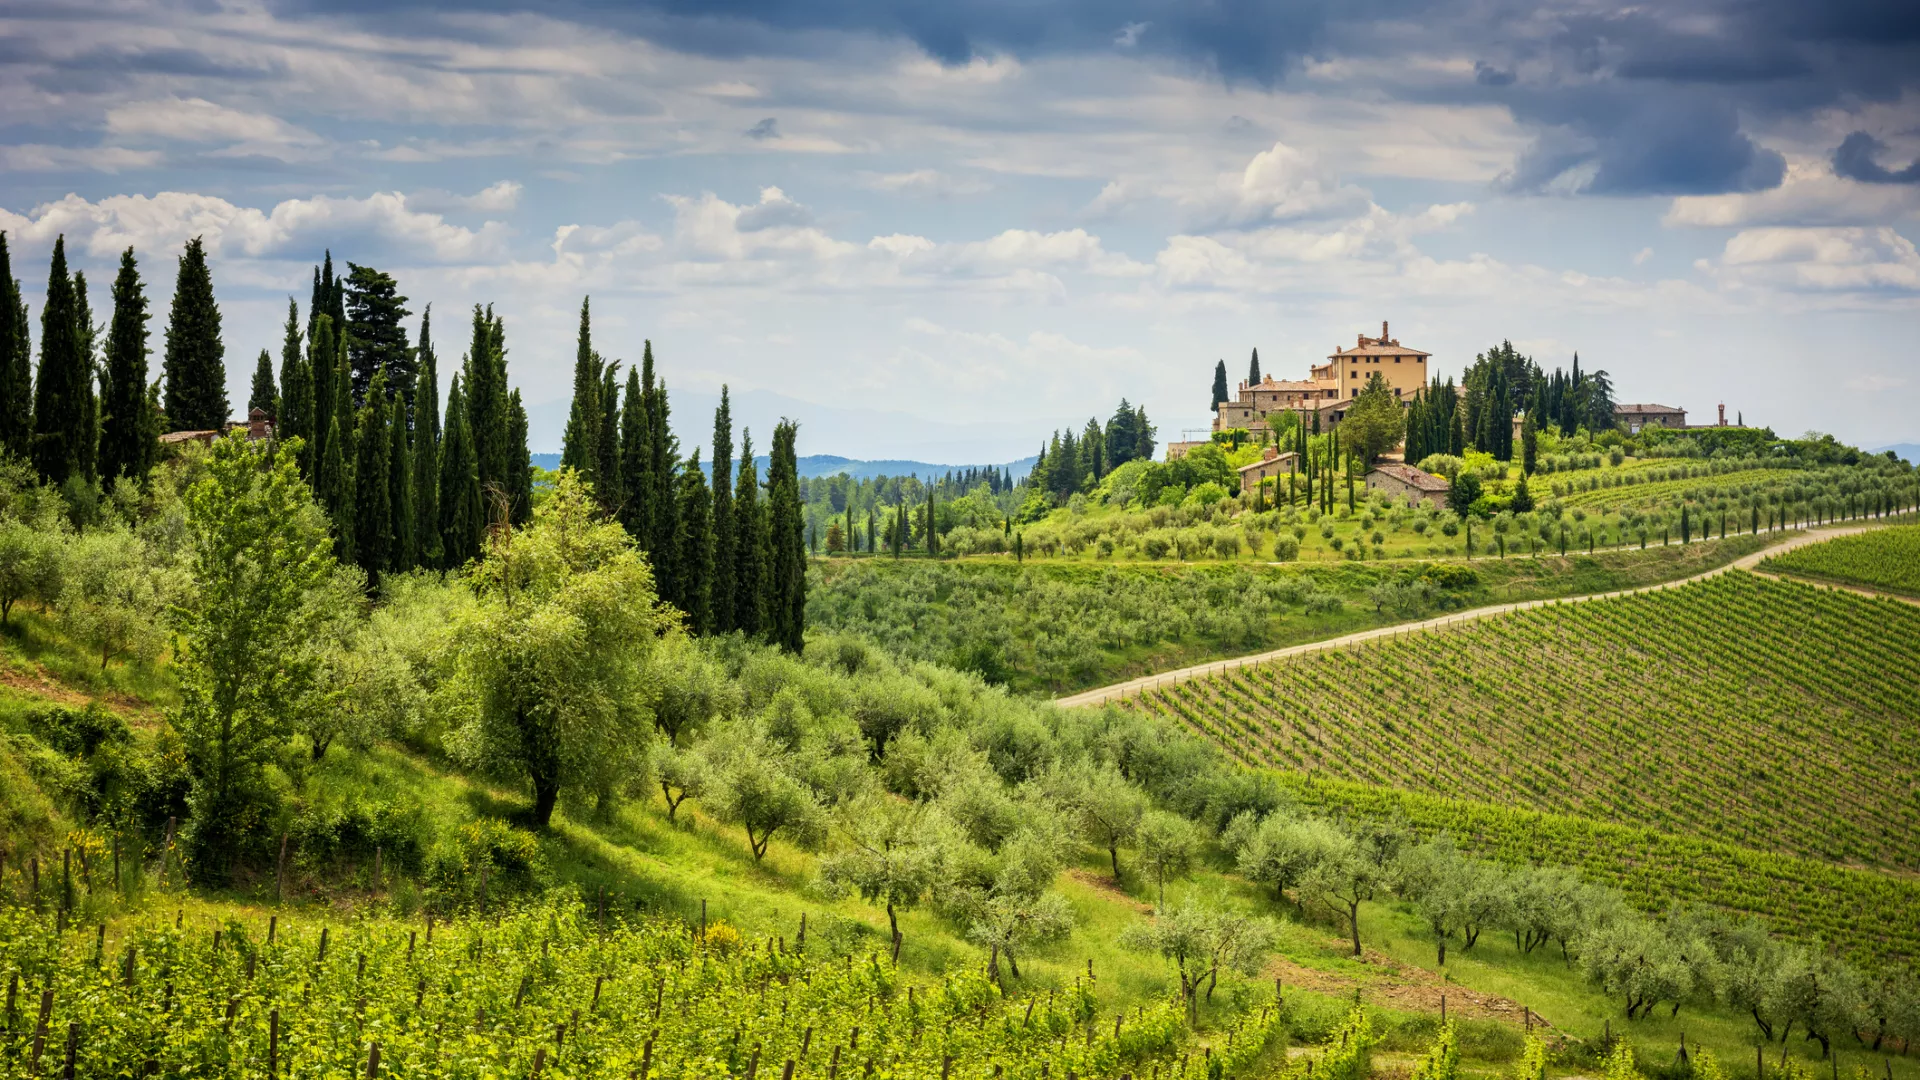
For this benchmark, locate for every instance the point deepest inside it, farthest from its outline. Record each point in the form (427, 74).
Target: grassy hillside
(1055, 626)
(1768, 714)
(1885, 559)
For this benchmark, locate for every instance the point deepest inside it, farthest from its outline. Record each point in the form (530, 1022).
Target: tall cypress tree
(404, 555)
(488, 410)
(295, 419)
(1219, 385)
(694, 560)
(722, 579)
(612, 486)
(580, 446)
(426, 451)
(126, 437)
(376, 340)
(664, 464)
(1253, 369)
(519, 462)
(329, 298)
(16, 365)
(320, 353)
(334, 489)
(373, 500)
(196, 370)
(262, 395)
(88, 335)
(462, 517)
(60, 387)
(749, 547)
(347, 480)
(787, 543)
(636, 457)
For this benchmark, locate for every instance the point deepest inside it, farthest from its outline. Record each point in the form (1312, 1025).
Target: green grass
(1884, 559)
(37, 660)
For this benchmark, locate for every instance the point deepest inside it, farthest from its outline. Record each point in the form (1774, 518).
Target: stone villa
(1330, 387)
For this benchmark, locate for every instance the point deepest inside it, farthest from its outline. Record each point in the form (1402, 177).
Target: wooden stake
(273, 1043)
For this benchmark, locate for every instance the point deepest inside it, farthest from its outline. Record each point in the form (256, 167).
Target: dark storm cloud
(1855, 160)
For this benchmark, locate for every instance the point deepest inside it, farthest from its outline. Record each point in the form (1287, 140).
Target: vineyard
(1887, 559)
(1768, 714)
(558, 990)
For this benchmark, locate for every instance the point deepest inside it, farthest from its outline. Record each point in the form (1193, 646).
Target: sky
(940, 231)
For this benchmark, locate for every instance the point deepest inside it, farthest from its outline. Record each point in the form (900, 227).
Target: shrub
(1285, 548)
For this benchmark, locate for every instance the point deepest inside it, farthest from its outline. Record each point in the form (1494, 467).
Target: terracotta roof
(1375, 348)
(1268, 460)
(1629, 409)
(1271, 383)
(1413, 477)
(186, 436)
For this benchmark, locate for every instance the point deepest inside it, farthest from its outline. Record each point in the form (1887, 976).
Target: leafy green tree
(891, 857)
(1462, 492)
(16, 363)
(1010, 922)
(296, 417)
(1201, 942)
(115, 596)
(244, 658)
(1168, 845)
(724, 576)
(262, 394)
(1635, 960)
(62, 387)
(195, 366)
(1818, 991)
(127, 435)
(1343, 875)
(376, 342)
(787, 577)
(1280, 850)
(462, 516)
(32, 558)
(1522, 501)
(555, 653)
(752, 782)
(1375, 421)
(750, 547)
(1108, 808)
(1253, 369)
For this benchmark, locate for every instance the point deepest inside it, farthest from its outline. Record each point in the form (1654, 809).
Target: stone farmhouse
(1403, 481)
(1272, 465)
(1635, 417)
(258, 426)
(1329, 388)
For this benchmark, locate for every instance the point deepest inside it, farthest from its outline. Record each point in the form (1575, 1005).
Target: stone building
(1272, 465)
(1403, 481)
(1635, 417)
(1330, 387)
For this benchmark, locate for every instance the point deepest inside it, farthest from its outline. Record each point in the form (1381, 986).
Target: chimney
(1723, 414)
(1271, 453)
(1383, 331)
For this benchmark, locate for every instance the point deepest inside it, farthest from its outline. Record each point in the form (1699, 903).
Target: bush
(1285, 548)
(513, 863)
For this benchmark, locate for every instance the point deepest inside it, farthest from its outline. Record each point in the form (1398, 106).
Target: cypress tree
(1253, 370)
(262, 394)
(295, 419)
(376, 340)
(404, 554)
(1529, 443)
(694, 560)
(519, 462)
(373, 499)
(126, 438)
(664, 461)
(722, 579)
(16, 365)
(347, 480)
(489, 413)
(87, 334)
(196, 371)
(1457, 434)
(787, 579)
(335, 489)
(1219, 385)
(750, 547)
(462, 517)
(636, 457)
(60, 387)
(320, 353)
(580, 446)
(612, 486)
(329, 298)
(426, 451)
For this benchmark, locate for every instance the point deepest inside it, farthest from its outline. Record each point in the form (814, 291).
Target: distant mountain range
(1907, 450)
(814, 465)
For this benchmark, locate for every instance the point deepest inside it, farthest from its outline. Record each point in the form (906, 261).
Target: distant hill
(1907, 450)
(814, 465)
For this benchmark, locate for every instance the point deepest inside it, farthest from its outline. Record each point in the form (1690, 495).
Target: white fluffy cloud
(1810, 195)
(1838, 259)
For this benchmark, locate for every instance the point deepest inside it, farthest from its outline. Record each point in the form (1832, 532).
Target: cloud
(1851, 259)
(1854, 159)
(767, 128)
(38, 157)
(1640, 257)
(500, 197)
(200, 120)
(1810, 194)
(1281, 183)
(924, 182)
(1129, 35)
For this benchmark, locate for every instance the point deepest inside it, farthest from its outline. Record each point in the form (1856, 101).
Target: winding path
(1146, 682)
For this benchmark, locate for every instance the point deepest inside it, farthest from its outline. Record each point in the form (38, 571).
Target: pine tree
(404, 554)
(425, 461)
(787, 577)
(580, 445)
(295, 419)
(749, 548)
(126, 440)
(196, 371)
(373, 498)
(1219, 385)
(462, 516)
(263, 395)
(722, 579)
(636, 457)
(695, 542)
(16, 365)
(1253, 370)
(376, 340)
(612, 486)
(60, 386)
(519, 462)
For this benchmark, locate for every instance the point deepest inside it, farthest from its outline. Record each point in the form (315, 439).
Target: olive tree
(1200, 941)
(891, 856)
(1168, 844)
(555, 651)
(750, 780)
(1343, 875)
(115, 596)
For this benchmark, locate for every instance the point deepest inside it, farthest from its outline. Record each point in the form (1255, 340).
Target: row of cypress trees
(719, 554)
(88, 416)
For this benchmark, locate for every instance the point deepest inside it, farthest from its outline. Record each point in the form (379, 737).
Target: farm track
(1132, 687)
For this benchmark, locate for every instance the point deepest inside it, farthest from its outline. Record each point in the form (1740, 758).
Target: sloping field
(1885, 559)
(1768, 714)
